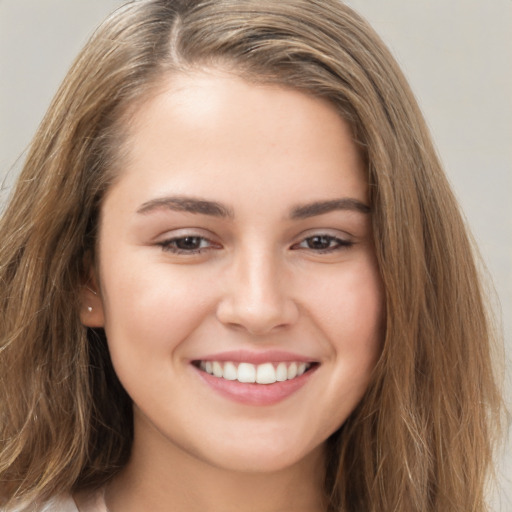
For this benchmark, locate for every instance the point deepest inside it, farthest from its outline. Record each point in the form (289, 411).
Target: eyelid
(166, 240)
(343, 242)
(331, 232)
(184, 232)
(168, 247)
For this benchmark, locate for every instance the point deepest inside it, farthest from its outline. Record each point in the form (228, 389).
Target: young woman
(234, 277)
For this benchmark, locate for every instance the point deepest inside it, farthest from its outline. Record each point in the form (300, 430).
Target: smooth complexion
(238, 232)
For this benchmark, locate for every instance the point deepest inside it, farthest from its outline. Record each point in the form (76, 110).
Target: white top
(82, 502)
(60, 504)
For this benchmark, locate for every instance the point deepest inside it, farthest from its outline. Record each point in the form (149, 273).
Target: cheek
(351, 308)
(352, 321)
(150, 306)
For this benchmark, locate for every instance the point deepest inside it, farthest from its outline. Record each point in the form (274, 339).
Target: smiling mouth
(266, 373)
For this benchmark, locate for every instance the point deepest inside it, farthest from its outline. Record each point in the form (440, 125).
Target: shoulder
(83, 501)
(58, 504)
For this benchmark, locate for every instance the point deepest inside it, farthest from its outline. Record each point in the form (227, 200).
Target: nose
(257, 296)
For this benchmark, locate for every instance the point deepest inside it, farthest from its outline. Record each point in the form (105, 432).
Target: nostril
(259, 317)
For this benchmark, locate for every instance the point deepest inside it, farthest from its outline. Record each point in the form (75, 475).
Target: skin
(259, 282)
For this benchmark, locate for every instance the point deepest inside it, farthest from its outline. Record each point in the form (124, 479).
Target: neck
(162, 477)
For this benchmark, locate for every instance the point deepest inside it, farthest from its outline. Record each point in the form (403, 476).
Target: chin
(260, 456)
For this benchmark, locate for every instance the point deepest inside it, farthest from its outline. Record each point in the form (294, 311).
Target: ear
(91, 303)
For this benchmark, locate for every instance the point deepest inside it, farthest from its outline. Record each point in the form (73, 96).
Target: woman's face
(237, 241)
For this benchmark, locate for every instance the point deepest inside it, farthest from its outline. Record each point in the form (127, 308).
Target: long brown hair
(422, 437)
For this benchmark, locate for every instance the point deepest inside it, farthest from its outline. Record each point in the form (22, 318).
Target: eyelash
(172, 245)
(339, 243)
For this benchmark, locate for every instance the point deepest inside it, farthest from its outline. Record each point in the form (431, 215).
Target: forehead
(212, 130)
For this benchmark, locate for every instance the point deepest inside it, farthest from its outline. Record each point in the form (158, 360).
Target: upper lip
(247, 356)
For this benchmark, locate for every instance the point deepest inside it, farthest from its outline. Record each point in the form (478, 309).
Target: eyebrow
(187, 204)
(205, 207)
(323, 207)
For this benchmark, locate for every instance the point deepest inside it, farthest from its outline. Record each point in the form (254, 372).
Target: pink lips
(252, 393)
(274, 356)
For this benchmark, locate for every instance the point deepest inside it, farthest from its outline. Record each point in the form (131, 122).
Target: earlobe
(91, 305)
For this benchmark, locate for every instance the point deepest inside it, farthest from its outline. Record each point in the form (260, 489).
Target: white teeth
(266, 373)
(230, 372)
(292, 371)
(281, 372)
(246, 372)
(217, 369)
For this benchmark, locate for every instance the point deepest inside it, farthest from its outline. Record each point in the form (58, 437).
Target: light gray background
(457, 55)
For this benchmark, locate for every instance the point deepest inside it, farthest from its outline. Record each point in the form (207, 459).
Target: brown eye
(319, 242)
(323, 243)
(187, 245)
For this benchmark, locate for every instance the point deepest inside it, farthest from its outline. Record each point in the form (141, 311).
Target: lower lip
(256, 394)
